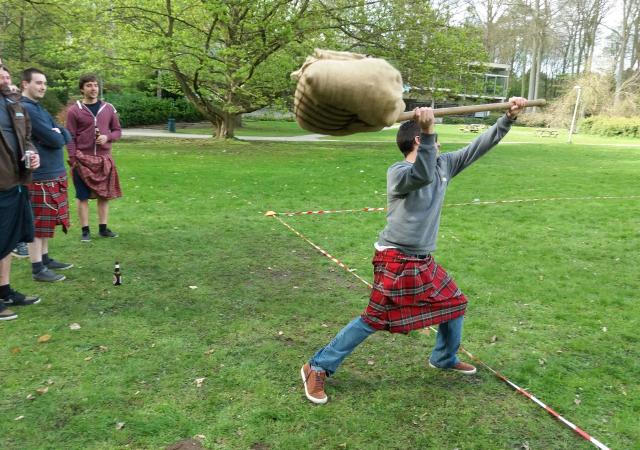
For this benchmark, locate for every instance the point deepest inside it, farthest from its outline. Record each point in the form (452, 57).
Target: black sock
(4, 291)
(45, 259)
(36, 267)
(85, 229)
(103, 227)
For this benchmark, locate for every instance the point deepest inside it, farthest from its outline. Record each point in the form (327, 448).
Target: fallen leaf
(19, 418)
(494, 339)
(324, 325)
(119, 425)
(42, 390)
(280, 333)
(577, 401)
(44, 338)
(200, 437)
(604, 329)
(209, 352)
(15, 350)
(193, 287)
(49, 366)
(541, 361)
(541, 277)
(199, 381)
(31, 397)
(50, 381)
(88, 358)
(74, 326)
(103, 348)
(371, 362)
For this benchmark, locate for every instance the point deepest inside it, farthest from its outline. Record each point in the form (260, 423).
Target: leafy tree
(229, 57)
(433, 55)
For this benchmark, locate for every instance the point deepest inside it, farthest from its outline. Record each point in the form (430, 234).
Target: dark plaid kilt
(16, 219)
(411, 293)
(50, 206)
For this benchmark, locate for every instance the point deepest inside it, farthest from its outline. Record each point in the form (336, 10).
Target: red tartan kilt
(411, 293)
(50, 206)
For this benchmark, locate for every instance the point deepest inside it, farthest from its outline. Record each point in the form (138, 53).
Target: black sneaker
(15, 298)
(86, 237)
(57, 265)
(48, 276)
(6, 314)
(108, 233)
(21, 250)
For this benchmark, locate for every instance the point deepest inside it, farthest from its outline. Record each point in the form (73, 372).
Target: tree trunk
(225, 125)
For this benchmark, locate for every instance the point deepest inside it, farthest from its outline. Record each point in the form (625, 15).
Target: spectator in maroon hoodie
(94, 125)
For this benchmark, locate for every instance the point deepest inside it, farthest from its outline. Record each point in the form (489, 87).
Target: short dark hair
(5, 68)
(406, 136)
(88, 78)
(27, 74)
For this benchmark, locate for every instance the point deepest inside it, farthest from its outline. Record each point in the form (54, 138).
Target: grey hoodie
(415, 192)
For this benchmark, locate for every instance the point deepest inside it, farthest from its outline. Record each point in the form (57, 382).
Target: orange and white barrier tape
(324, 252)
(579, 431)
(478, 202)
(329, 211)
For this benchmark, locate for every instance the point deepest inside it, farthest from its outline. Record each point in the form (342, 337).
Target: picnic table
(546, 132)
(473, 128)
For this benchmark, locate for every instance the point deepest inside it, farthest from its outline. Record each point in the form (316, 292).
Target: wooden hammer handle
(408, 115)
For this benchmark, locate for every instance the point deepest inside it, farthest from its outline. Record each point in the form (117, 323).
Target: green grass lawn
(215, 290)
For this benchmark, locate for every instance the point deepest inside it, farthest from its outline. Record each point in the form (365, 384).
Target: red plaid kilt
(411, 293)
(49, 205)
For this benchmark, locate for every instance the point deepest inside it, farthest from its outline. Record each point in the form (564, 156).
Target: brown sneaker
(313, 384)
(460, 366)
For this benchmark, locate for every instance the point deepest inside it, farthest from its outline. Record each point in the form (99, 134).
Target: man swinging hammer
(410, 290)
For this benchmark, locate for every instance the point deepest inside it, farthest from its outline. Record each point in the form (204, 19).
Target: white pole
(575, 113)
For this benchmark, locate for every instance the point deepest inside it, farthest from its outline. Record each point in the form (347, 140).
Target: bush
(489, 120)
(539, 120)
(51, 103)
(140, 109)
(611, 126)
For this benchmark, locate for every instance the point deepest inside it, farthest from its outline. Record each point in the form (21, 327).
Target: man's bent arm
(41, 128)
(421, 172)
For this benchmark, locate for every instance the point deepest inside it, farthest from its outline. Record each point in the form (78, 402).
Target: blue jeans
(447, 344)
(329, 358)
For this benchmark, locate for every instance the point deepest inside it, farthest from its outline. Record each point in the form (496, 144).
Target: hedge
(489, 120)
(611, 126)
(139, 109)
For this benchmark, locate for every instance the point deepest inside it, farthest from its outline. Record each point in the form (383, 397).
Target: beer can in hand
(27, 158)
